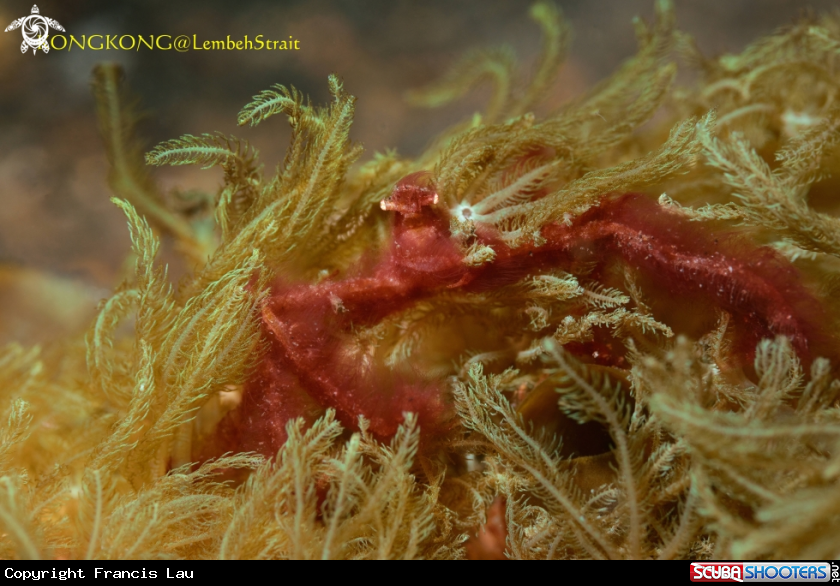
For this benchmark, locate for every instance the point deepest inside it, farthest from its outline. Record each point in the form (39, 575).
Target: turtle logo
(36, 29)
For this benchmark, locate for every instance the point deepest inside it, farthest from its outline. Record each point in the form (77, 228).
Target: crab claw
(411, 194)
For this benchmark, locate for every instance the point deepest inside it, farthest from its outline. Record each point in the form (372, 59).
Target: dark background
(54, 210)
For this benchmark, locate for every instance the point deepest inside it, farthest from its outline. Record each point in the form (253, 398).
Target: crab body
(311, 364)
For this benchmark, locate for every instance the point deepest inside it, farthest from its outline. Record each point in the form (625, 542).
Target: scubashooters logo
(36, 30)
(764, 572)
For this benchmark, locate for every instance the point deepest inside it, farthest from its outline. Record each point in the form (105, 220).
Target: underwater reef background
(478, 281)
(54, 169)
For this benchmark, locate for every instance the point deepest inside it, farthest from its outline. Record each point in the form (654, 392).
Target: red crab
(309, 367)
